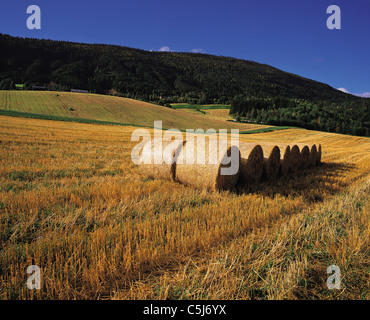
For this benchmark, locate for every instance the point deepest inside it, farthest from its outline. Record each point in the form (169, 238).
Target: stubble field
(73, 203)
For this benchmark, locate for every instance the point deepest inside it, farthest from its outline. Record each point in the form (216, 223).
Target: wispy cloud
(165, 49)
(363, 95)
(197, 50)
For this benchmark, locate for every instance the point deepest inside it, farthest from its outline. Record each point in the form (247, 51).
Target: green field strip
(12, 113)
(270, 129)
(21, 114)
(201, 107)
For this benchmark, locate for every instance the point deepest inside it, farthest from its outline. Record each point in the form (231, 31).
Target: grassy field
(72, 202)
(109, 109)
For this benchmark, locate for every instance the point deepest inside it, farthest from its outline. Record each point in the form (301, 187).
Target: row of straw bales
(257, 162)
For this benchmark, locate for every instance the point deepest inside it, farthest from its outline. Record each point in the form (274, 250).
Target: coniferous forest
(349, 117)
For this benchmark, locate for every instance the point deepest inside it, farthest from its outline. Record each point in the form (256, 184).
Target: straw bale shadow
(312, 184)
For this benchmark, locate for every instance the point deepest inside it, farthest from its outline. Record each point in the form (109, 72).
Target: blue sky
(288, 34)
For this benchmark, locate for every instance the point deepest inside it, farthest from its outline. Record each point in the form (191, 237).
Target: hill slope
(183, 77)
(111, 109)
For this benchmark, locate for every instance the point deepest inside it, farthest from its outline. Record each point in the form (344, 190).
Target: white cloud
(165, 49)
(343, 90)
(197, 50)
(363, 95)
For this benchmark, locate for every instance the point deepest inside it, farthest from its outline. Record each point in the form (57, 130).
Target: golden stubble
(73, 203)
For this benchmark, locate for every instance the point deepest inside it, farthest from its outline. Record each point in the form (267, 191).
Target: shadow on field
(313, 184)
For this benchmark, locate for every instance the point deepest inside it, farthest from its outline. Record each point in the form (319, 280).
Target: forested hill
(148, 75)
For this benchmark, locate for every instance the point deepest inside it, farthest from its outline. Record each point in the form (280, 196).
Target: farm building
(38, 88)
(80, 91)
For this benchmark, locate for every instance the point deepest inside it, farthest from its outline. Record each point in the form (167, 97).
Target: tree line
(349, 117)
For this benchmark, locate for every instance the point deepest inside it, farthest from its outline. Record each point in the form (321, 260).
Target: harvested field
(73, 203)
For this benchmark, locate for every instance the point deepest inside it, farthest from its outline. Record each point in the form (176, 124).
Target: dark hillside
(181, 77)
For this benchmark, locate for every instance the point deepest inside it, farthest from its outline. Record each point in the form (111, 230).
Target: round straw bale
(305, 155)
(271, 162)
(313, 155)
(295, 159)
(318, 158)
(284, 159)
(204, 168)
(251, 163)
(166, 169)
